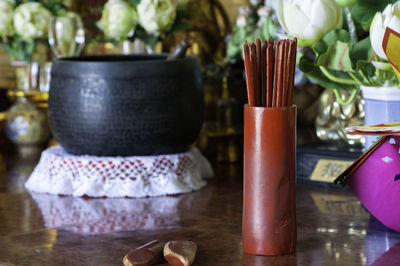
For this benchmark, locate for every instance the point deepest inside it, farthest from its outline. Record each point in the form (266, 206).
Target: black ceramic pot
(125, 105)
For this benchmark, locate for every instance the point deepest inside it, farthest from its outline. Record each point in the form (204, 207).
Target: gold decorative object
(333, 117)
(25, 123)
(207, 27)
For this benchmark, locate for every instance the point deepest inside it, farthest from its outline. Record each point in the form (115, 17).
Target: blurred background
(216, 30)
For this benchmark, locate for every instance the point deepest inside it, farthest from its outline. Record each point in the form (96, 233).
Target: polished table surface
(41, 229)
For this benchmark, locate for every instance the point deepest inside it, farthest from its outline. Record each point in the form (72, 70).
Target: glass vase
(66, 35)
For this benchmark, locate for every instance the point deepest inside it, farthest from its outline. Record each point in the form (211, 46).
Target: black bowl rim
(122, 58)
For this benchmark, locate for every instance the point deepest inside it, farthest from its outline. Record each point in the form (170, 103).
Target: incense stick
(249, 74)
(260, 76)
(277, 74)
(256, 75)
(292, 66)
(270, 73)
(269, 69)
(285, 71)
(264, 75)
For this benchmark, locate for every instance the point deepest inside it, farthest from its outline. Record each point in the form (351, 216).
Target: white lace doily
(137, 176)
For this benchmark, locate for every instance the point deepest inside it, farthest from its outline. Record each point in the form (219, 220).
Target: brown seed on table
(146, 255)
(180, 252)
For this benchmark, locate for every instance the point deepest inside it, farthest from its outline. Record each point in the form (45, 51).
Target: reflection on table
(41, 229)
(105, 215)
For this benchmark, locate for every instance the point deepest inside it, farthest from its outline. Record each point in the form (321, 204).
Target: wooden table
(40, 229)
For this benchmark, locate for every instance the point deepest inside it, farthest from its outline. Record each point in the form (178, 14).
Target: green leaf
(314, 73)
(333, 51)
(387, 77)
(267, 29)
(365, 67)
(360, 54)
(134, 2)
(19, 49)
(148, 39)
(361, 50)
(179, 27)
(56, 7)
(337, 57)
(364, 10)
(232, 51)
(6, 47)
(330, 39)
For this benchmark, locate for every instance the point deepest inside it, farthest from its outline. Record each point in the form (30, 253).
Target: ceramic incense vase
(269, 209)
(125, 105)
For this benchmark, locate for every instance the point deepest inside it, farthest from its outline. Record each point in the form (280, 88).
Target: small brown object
(180, 50)
(146, 255)
(180, 252)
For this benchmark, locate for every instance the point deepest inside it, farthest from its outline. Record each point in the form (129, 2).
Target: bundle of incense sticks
(269, 71)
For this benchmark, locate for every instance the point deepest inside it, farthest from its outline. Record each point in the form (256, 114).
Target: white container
(382, 105)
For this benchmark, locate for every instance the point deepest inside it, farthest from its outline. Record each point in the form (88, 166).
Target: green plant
(342, 57)
(26, 25)
(148, 20)
(254, 21)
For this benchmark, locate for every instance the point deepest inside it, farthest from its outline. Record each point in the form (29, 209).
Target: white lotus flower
(118, 19)
(156, 16)
(31, 20)
(309, 20)
(6, 16)
(390, 17)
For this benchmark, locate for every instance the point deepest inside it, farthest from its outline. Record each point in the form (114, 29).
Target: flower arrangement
(24, 24)
(345, 37)
(256, 20)
(148, 20)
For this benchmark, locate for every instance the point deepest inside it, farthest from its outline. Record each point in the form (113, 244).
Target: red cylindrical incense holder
(269, 207)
